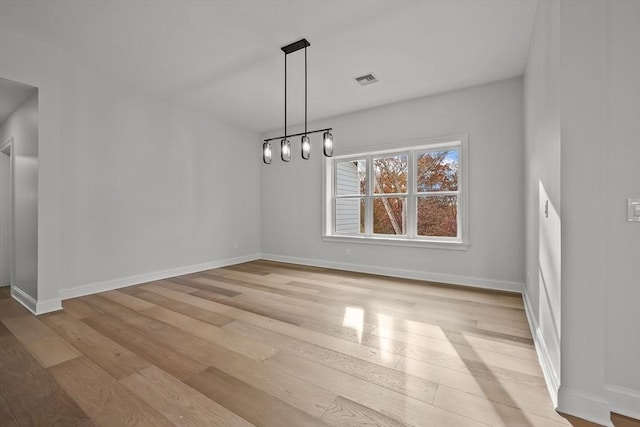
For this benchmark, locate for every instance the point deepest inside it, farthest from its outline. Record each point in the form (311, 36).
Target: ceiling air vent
(367, 79)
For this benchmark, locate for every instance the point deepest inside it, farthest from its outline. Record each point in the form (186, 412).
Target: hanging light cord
(285, 96)
(305, 92)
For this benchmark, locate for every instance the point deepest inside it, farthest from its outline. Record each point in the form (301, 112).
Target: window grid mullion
(439, 193)
(390, 195)
(412, 216)
(368, 206)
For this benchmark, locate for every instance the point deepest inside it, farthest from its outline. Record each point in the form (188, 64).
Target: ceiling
(225, 57)
(12, 95)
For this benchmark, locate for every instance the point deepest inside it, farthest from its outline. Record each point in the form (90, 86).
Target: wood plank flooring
(272, 344)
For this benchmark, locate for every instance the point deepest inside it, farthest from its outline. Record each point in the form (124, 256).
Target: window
(409, 195)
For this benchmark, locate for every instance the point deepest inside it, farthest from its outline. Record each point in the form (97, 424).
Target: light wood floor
(272, 344)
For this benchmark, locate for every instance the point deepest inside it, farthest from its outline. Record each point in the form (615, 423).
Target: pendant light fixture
(305, 147)
(266, 152)
(285, 150)
(305, 141)
(327, 143)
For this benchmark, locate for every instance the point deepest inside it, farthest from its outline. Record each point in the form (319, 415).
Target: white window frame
(460, 242)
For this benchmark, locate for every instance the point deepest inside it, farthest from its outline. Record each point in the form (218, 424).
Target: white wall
(492, 116)
(130, 186)
(150, 187)
(583, 152)
(542, 188)
(585, 57)
(622, 238)
(22, 125)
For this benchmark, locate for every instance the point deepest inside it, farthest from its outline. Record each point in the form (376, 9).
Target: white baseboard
(499, 285)
(24, 298)
(591, 407)
(551, 376)
(623, 401)
(43, 307)
(110, 285)
(36, 307)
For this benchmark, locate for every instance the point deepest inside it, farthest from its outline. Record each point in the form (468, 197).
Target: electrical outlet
(347, 252)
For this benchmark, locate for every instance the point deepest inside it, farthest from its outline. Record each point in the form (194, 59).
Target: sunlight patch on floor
(354, 319)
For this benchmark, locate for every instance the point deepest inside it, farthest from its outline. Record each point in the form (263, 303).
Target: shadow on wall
(19, 189)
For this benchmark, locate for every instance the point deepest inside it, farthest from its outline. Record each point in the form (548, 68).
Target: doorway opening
(19, 190)
(7, 242)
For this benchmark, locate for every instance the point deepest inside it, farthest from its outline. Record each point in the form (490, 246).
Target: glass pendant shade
(305, 145)
(327, 144)
(285, 150)
(266, 153)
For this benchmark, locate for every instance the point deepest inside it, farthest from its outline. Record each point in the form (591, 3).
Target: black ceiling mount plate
(300, 44)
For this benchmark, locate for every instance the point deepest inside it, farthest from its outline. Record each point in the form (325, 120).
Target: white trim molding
(110, 285)
(24, 298)
(551, 376)
(8, 148)
(36, 307)
(493, 284)
(43, 307)
(623, 401)
(591, 407)
(411, 243)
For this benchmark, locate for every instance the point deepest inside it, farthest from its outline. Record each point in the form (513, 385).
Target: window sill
(413, 243)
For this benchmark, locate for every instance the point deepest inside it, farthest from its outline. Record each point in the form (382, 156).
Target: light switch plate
(633, 210)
